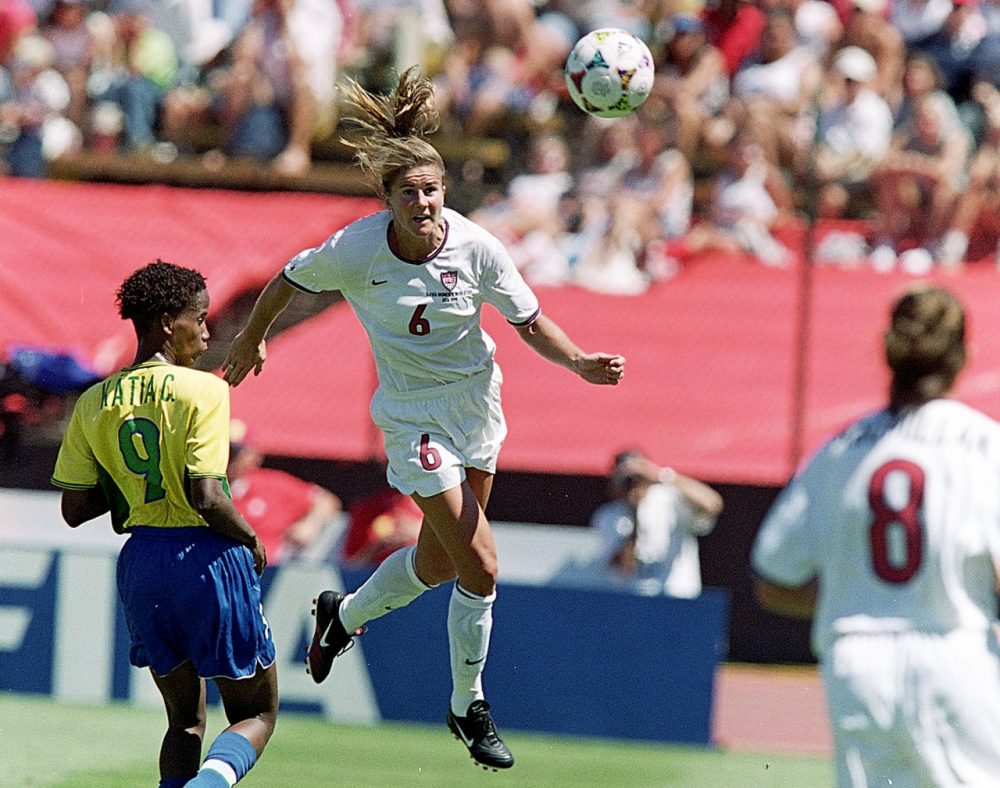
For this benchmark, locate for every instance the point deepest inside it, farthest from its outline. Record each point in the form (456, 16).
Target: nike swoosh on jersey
(474, 661)
(379, 281)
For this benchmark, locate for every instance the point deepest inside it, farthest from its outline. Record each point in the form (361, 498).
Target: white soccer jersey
(899, 519)
(422, 316)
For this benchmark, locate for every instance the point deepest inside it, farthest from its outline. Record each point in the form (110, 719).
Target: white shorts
(432, 437)
(915, 708)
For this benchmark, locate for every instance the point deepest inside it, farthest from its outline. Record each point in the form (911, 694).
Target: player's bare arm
(248, 350)
(795, 602)
(79, 506)
(551, 342)
(209, 499)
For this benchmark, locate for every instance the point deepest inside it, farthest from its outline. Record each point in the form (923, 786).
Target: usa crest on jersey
(449, 279)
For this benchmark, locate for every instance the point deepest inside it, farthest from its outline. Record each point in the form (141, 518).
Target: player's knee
(491, 569)
(187, 726)
(436, 575)
(481, 578)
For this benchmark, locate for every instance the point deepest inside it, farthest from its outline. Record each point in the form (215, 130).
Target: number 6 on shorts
(430, 459)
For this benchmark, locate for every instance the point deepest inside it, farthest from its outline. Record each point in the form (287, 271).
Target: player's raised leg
(457, 519)
(341, 617)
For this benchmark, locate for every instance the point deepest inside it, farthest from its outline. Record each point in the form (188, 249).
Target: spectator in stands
(606, 149)
(917, 184)
(921, 77)
(955, 50)
(318, 29)
(143, 67)
(918, 20)
(378, 525)
(691, 79)
(494, 88)
(288, 514)
(73, 44)
(622, 235)
(278, 92)
(750, 197)
(855, 129)
(17, 17)
(263, 100)
(817, 25)
(772, 92)
(189, 119)
(734, 27)
(31, 112)
(529, 219)
(978, 210)
(196, 29)
(868, 28)
(649, 530)
(466, 70)
(388, 36)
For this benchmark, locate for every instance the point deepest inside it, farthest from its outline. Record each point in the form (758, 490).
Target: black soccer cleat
(330, 639)
(477, 732)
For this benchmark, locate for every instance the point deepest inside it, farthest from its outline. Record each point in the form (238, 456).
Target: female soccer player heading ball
(417, 276)
(891, 536)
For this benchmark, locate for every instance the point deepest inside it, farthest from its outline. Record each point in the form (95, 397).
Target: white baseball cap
(855, 63)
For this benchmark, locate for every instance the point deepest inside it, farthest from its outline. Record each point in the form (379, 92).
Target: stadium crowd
(762, 111)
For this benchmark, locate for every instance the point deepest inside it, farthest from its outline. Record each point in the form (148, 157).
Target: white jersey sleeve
(784, 552)
(505, 288)
(341, 260)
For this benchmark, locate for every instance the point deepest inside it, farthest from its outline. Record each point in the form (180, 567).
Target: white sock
(470, 620)
(223, 768)
(393, 585)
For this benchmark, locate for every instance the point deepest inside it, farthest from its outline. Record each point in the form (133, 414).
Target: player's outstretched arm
(248, 350)
(551, 342)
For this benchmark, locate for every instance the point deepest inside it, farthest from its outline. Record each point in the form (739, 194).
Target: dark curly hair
(156, 289)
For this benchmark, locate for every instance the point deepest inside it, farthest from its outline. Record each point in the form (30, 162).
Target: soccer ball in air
(609, 72)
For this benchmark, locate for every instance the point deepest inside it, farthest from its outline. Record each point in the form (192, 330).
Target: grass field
(74, 746)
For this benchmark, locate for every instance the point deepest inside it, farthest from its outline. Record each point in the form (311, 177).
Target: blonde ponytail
(393, 129)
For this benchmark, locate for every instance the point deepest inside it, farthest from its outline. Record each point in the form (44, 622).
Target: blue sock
(228, 750)
(209, 778)
(173, 782)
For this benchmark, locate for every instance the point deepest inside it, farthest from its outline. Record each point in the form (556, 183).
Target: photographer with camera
(649, 530)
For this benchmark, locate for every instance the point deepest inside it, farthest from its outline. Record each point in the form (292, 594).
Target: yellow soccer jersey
(139, 433)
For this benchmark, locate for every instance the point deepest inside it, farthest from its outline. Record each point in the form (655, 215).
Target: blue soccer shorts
(192, 595)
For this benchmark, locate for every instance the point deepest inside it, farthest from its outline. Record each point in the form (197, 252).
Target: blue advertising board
(562, 660)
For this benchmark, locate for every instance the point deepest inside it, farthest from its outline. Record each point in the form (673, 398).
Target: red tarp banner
(710, 378)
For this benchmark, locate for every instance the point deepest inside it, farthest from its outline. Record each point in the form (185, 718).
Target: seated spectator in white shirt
(855, 129)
